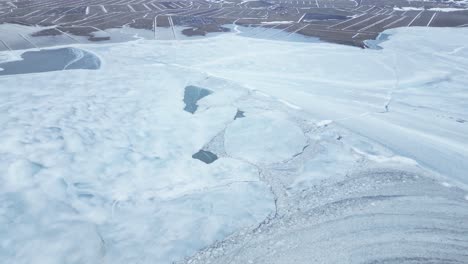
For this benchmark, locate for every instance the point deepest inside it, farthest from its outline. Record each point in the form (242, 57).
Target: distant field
(347, 22)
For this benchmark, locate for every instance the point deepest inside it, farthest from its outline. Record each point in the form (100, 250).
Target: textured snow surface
(271, 139)
(342, 155)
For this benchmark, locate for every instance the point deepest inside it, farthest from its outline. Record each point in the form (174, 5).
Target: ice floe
(272, 139)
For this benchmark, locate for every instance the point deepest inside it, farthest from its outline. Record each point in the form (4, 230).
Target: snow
(438, 9)
(289, 104)
(105, 157)
(324, 123)
(408, 8)
(425, 92)
(272, 139)
(96, 165)
(447, 9)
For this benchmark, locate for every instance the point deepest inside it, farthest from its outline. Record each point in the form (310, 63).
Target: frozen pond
(51, 60)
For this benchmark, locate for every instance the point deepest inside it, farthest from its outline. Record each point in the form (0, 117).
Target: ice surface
(263, 139)
(383, 142)
(97, 167)
(408, 103)
(51, 60)
(438, 9)
(345, 155)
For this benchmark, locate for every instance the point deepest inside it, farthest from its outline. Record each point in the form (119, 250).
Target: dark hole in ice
(459, 120)
(191, 96)
(205, 156)
(239, 114)
(51, 60)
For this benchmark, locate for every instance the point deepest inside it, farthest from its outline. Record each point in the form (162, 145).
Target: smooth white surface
(263, 139)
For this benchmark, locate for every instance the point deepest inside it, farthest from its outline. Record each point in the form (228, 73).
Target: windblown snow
(342, 155)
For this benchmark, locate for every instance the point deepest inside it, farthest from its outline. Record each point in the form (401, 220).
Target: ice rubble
(97, 167)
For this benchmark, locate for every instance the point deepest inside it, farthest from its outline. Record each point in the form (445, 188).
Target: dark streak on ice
(300, 153)
(205, 156)
(51, 60)
(191, 96)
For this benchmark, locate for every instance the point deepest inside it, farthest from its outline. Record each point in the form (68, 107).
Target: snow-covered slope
(344, 155)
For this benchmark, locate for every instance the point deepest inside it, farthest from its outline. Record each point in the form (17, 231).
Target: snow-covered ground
(344, 155)
(438, 9)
